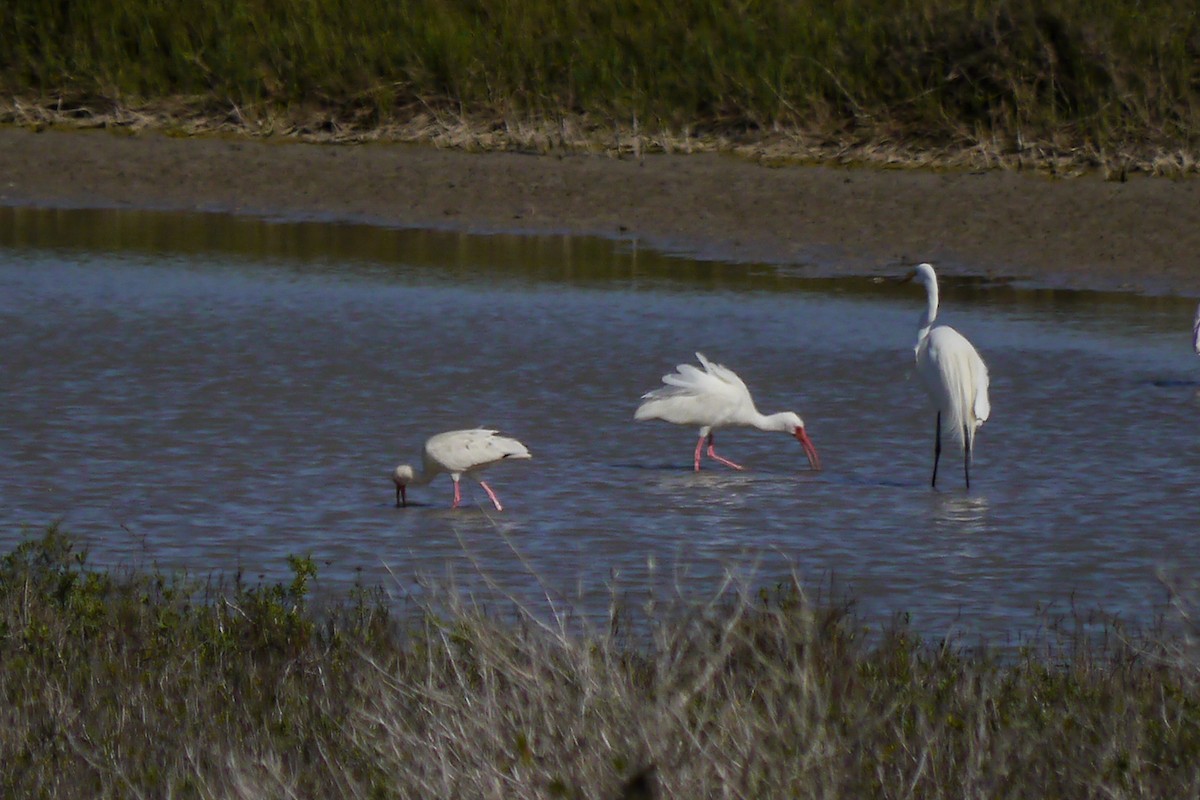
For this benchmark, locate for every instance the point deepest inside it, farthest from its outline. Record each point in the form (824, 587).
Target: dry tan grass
(139, 685)
(438, 127)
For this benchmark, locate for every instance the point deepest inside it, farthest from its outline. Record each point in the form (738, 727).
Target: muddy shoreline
(1142, 235)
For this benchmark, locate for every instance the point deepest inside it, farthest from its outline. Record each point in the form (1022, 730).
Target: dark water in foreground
(215, 394)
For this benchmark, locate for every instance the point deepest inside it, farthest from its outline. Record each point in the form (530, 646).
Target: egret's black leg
(937, 449)
(967, 456)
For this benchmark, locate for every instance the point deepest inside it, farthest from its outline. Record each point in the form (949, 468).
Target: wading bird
(712, 398)
(953, 374)
(1196, 332)
(459, 453)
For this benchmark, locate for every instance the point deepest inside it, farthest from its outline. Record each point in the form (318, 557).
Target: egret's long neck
(931, 309)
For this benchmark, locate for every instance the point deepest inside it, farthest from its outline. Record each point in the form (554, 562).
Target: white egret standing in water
(953, 374)
(459, 453)
(712, 398)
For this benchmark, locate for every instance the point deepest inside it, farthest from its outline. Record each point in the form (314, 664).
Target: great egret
(712, 398)
(459, 453)
(953, 374)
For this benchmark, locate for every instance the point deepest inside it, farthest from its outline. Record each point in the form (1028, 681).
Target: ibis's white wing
(692, 396)
(460, 451)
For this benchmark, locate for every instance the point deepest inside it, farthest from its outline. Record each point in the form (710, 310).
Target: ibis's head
(402, 477)
(795, 426)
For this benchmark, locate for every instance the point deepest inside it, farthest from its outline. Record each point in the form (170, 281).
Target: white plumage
(459, 453)
(1196, 332)
(953, 375)
(715, 397)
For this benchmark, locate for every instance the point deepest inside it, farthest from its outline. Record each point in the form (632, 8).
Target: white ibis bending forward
(712, 398)
(953, 374)
(459, 453)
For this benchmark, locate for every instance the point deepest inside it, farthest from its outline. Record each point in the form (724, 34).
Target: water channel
(214, 393)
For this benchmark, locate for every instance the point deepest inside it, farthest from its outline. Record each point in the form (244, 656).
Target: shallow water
(216, 393)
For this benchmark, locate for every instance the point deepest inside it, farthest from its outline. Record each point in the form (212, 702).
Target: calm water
(215, 394)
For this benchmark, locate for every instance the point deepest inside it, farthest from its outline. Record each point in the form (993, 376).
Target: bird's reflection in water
(716, 487)
(960, 513)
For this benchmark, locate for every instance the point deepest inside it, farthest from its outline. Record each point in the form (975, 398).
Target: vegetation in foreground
(142, 685)
(1107, 82)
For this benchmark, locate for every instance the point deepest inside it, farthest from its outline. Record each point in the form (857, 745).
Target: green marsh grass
(1089, 79)
(137, 684)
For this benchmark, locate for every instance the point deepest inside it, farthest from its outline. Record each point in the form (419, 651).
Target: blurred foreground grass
(142, 685)
(1102, 81)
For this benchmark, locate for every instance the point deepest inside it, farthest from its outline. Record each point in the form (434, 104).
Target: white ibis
(713, 398)
(459, 453)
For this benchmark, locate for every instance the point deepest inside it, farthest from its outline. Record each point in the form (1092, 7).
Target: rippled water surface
(214, 394)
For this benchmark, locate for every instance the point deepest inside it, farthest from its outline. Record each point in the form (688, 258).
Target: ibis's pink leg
(699, 449)
(492, 495)
(713, 455)
(457, 497)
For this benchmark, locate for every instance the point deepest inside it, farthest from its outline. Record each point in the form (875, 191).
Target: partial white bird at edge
(1196, 331)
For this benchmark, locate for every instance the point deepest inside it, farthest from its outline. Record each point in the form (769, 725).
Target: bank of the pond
(1083, 232)
(144, 684)
(1082, 81)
